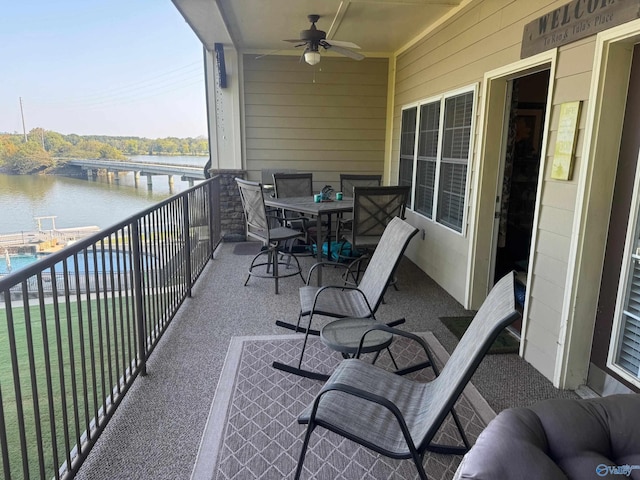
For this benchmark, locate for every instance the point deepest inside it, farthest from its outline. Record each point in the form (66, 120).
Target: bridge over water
(113, 167)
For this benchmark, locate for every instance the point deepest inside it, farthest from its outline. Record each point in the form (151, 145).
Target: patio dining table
(307, 205)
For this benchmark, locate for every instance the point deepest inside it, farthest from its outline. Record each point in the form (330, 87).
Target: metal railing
(77, 327)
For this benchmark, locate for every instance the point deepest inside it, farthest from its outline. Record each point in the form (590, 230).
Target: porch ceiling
(379, 27)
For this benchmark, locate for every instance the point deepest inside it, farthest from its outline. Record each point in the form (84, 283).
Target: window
(624, 355)
(443, 127)
(407, 146)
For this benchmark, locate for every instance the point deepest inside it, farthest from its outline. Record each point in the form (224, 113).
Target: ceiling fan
(313, 39)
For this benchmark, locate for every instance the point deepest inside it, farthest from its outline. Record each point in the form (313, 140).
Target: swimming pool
(17, 262)
(94, 264)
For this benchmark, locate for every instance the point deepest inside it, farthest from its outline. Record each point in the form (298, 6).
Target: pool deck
(44, 241)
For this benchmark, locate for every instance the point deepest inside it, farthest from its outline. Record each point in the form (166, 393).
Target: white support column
(224, 112)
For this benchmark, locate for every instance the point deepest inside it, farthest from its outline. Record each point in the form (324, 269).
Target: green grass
(80, 331)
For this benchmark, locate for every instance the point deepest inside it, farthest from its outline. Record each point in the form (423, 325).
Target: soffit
(379, 27)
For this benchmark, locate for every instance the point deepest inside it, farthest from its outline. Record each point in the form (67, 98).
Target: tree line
(44, 150)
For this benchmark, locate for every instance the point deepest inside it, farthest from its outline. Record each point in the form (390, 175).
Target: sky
(100, 67)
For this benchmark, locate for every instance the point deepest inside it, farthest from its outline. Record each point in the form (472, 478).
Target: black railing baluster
(138, 294)
(72, 353)
(100, 342)
(4, 444)
(92, 351)
(107, 323)
(187, 244)
(72, 364)
(47, 369)
(130, 304)
(33, 377)
(120, 365)
(13, 348)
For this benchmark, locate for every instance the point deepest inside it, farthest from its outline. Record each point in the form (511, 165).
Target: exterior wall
(484, 37)
(328, 119)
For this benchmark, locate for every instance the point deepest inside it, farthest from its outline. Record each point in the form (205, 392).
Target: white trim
(391, 95)
(593, 120)
(513, 70)
(435, 25)
(441, 98)
(632, 226)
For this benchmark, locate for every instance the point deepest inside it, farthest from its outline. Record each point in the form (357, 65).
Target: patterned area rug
(252, 431)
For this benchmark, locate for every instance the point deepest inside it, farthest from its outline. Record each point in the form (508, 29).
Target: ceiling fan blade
(345, 52)
(339, 43)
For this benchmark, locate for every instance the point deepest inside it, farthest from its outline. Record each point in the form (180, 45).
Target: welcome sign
(575, 20)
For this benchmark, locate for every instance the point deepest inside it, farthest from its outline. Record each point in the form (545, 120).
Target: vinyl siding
(482, 38)
(328, 119)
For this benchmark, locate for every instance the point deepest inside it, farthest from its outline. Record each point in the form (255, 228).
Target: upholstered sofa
(559, 439)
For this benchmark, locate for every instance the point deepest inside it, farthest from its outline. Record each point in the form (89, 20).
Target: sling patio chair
(398, 417)
(348, 181)
(345, 301)
(287, 185)
(260, 226)
(373, 209)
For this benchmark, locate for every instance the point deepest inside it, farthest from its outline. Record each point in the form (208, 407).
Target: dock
(43, 241)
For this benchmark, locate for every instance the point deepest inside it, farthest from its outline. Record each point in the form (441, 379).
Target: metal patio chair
(398, 417)
(373, 209)
(348, 181)
(260, 227)
(343, 301)
(287, 185)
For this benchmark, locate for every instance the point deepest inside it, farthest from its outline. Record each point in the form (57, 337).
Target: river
(77, 202)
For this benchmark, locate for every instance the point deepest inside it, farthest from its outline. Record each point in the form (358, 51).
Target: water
(78, 202)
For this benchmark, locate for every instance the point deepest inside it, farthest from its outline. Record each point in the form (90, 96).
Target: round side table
(344, 336)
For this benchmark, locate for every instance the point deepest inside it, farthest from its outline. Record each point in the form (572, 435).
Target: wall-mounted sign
(575, 20)
(565, 141)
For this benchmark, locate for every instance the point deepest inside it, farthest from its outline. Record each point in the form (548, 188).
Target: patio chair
(348, 181)
(344, 301)
(259, 226)
(398, 417)
(373, 209)
(287, 185)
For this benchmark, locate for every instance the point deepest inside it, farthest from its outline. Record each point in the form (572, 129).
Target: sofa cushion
(559, 439)
(583, 434)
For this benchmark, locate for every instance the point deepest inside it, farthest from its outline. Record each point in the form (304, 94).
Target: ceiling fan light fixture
(312, 58)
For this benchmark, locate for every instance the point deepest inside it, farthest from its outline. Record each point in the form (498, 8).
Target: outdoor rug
(252, 430)
(505, 343)
(247, 248)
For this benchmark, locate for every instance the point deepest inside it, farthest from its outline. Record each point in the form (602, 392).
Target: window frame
(441, 99)
(631, 255)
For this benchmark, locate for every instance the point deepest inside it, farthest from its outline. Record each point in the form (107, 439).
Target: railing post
(215, 216)
(187, 243)
(210, 193)
(138, 296)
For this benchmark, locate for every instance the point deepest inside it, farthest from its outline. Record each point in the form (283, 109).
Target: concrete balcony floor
(156, 431)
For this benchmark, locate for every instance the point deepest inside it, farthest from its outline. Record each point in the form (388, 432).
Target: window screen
(429, 134)
(628, 354)
(443, 129)
(407, 146)
(455, 157)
